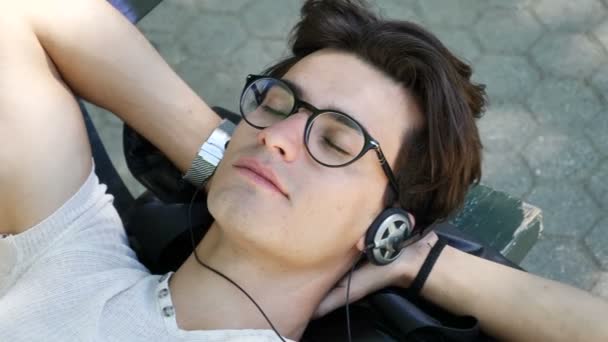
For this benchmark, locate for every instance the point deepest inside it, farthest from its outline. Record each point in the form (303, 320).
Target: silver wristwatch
(210, 154)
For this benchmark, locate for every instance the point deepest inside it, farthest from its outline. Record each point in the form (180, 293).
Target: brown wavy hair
(441, 159)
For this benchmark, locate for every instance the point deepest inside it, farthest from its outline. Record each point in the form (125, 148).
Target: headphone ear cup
(385, 235)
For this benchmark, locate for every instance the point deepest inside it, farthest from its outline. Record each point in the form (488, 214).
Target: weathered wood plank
(500, 221)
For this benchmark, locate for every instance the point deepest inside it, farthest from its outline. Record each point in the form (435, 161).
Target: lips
(267, 174)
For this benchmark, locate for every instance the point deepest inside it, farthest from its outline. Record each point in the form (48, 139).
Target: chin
(242, 208)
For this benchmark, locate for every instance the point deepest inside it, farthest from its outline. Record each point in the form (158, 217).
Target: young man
(292, 198)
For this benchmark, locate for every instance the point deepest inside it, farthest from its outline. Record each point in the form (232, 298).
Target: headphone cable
(350, 274)
(220, 273)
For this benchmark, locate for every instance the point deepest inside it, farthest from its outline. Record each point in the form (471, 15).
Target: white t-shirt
(73, 277)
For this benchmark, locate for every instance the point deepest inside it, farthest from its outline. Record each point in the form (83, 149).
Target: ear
(412, 219)
(409, 215)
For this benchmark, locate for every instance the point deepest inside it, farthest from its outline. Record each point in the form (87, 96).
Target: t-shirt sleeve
(84, 236)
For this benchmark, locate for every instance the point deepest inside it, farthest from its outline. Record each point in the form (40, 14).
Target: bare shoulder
(44, 151)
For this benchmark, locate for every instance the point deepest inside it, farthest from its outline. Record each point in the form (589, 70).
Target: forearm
(107, 61)
(515, 305)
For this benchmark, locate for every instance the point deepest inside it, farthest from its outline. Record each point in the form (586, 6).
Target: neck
(205, 301)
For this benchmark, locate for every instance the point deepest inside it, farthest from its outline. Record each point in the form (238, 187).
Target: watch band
(210, 154)
(426, 268)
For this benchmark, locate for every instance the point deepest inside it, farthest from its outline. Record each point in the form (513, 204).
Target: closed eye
(272, 110)
(334, 146)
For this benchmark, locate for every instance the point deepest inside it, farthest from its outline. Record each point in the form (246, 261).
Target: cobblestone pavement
(545, 65)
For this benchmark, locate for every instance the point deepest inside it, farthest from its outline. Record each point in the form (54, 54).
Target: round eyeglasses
(332, 138)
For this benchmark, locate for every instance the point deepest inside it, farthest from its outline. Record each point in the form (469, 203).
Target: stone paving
(545, 63)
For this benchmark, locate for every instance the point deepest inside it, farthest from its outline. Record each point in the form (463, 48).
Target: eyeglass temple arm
(387, 169)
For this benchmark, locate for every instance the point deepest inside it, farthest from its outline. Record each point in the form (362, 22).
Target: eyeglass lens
(332, 138)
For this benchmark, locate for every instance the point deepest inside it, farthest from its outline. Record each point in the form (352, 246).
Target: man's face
(321, 212)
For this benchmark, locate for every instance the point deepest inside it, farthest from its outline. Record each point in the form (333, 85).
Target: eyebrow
(296, 88)
(299, 92)
(349, 123)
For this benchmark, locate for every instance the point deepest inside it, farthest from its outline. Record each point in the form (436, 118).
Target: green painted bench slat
(501, 221)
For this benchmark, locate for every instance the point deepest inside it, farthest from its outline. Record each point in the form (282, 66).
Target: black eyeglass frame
(370, 142)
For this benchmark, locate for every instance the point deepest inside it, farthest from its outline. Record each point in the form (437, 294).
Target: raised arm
(106, 60)
(510, 304)
(514, 305)
(53, 49)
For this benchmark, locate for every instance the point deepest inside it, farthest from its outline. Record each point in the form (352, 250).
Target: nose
(285, 137)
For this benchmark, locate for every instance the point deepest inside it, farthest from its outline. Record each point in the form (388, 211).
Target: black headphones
(386, 237)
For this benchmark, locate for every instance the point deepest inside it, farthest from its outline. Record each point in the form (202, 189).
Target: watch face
(228, 127)
(221, 136)
(210, 154)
